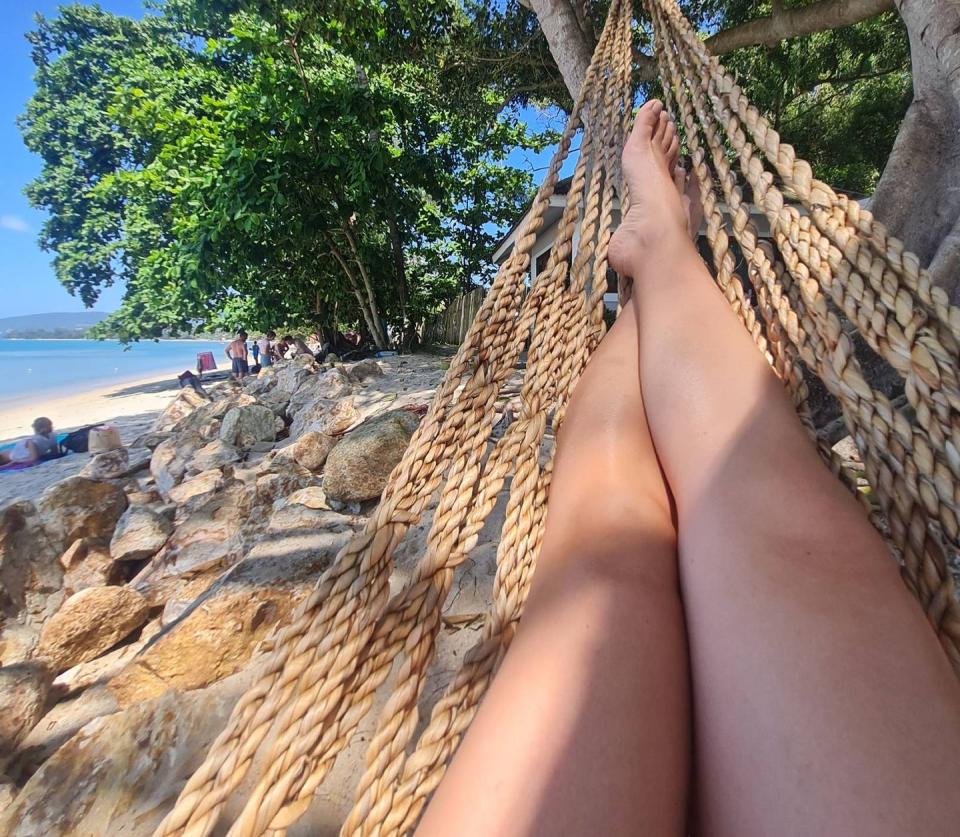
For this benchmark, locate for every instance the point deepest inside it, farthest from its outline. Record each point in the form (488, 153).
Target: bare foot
(658, 215)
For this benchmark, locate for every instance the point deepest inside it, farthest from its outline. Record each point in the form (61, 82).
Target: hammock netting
(827, 268)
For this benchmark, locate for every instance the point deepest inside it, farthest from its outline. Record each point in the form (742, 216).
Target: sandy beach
(130, 406)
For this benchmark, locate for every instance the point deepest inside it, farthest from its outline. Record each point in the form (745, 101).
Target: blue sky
(27, 282)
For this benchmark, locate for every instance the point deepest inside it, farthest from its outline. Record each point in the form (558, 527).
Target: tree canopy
(273, 165)
(296, 164)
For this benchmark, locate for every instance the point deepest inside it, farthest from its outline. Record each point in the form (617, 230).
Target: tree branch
(782, 24)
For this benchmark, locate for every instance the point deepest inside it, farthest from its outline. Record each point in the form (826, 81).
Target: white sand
(130, 406)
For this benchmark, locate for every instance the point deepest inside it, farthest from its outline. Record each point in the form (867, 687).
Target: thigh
(585, 729)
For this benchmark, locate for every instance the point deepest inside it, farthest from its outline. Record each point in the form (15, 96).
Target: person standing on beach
(237, 352)
(266, 348)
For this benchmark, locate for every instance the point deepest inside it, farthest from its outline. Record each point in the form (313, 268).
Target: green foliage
(261, 164)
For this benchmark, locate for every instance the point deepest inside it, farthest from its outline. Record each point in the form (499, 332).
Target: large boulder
(243, 427)
(358, 467)
(88, 563)
(89, 623)
(121, 772)
(208, 537)
(290, 376)
(215, 454)
(310, 450)
(31, 580)
(78, 507)
(329, 417)
(172, 457)
(24, 690)
(116, 464)
(197, 488)
(364, 370)
(327, 386)
(216, 634)
(186, 402)
(140, 533)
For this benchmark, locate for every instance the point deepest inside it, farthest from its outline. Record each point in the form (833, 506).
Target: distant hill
(54, 324)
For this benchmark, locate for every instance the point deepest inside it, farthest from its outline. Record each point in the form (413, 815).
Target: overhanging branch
(783, 23)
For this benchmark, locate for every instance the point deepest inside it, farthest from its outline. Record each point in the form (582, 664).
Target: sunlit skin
(716, 639)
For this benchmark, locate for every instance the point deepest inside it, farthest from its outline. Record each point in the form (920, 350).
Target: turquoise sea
(29, 368)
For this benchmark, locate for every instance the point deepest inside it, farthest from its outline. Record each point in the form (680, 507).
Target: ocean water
(29, 368)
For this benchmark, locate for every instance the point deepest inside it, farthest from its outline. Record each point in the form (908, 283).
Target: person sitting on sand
(237, 352)
(41, 445)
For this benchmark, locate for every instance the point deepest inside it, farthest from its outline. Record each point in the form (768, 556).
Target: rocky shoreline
(135, 593)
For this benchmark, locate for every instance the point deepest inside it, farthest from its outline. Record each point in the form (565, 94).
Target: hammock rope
(322, 671)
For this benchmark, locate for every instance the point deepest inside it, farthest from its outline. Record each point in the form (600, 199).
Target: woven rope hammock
(827, 260)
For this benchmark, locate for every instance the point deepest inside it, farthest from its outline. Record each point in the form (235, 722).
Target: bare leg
(822, 701)
(585, 729)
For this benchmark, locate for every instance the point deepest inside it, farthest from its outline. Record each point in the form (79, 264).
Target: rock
(171, 458)
(201, 485)
(24, 689)
(277, 400)
(61, 723)
(8, 792)
(244, 426)
(311, 497)
(310, 450)
(358, 467)
(117, 464)
(262, 383)
(290, 377)
(186, 402)
(89, 623)
(87, 563)
(80, 508)
(215, 454)
(277, 478)
(140, 533)
(329, 417)
(31, 580)
(208, 537)
(332, 358)
(327, 386)
(120, 773)
(144, 498)
(216, 634)
(83, 676)
(150, 439)
(364, 370)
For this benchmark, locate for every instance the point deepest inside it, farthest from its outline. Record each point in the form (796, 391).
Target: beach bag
(78, 441)
(102, 438)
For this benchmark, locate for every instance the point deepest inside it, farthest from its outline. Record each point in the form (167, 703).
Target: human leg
(585, 729)
(822, 701)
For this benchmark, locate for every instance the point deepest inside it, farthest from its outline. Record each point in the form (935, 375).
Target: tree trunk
(409, 336)
(369, 316)
(918, 196)
(376, 326)
(566, 39)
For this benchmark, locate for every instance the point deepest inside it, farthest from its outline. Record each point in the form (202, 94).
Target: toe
(673, 152)
(646, 121)
(679, 178)
(662, 122)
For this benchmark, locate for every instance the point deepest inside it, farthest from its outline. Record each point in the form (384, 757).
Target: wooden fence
(451, 325)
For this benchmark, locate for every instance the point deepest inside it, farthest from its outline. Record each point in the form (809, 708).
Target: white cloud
(13, 223)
